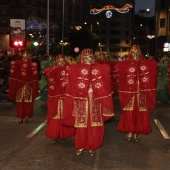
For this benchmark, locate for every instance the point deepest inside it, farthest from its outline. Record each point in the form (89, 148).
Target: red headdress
(135, 53)
(61, 56)
(85, 52)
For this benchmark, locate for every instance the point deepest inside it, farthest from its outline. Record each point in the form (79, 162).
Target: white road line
(37, 98)
(37, 129)
(162, 130)
(96, 163)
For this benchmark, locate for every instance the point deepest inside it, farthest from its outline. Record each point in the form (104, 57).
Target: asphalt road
(25, 146)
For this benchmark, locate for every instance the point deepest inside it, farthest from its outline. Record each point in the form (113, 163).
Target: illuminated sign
(17, 43)
(17, 37)
(76, 49)
(166, 47)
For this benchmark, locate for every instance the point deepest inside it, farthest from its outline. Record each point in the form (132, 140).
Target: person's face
(61, 62)
(89, 59)
(25, 57)
(135, 53)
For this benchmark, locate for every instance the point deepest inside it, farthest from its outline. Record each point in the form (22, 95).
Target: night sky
(144, 4)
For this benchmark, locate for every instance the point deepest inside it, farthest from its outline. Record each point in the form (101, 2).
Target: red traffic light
(17, 44)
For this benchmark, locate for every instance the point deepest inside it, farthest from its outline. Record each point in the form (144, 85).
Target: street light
(91, 25)
(47, 38)
(63, 29)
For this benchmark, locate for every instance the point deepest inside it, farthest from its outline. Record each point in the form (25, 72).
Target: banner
(17, 33)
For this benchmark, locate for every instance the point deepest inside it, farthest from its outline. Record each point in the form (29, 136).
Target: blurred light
(35, 43)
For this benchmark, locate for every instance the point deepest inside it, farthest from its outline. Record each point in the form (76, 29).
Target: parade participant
(103, 59)
(23, 86)
(56, 81)
(48, 61)
(70, 60)
(162, 84)
(89, 101)
(137, 80)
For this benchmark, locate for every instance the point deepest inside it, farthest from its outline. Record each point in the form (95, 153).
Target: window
(162, 23)
(3, 12)
(103, 32)
(163, 4)
(127, 33)
(114, 41)
(115, 32)
(127, 41)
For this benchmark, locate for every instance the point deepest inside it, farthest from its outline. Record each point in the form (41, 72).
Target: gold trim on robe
(130, 105)
(60, 109)
(24, 94)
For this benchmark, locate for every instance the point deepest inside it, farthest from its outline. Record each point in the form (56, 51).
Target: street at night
(25, 146)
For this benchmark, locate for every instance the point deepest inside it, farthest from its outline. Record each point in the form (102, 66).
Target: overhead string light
(108, 9)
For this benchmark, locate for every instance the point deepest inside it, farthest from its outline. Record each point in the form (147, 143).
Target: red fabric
(135, 121)
(112, 65)
(56, 80)
(25, 110)
(127, 85)
(148, 81)
(56, 130)
(101, 94)
(23, 73)
(56, 88)
(134, 78)
(80, 78)
(113, 75)
(17, 80)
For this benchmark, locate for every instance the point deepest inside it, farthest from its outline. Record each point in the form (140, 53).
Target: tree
(82, 39)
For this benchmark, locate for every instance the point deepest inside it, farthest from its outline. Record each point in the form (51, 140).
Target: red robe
(89, 103)
(23, 86)
(112, 65)
(137, 81)
(56, 81)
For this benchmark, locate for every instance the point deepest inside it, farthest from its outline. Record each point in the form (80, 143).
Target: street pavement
(25, 146)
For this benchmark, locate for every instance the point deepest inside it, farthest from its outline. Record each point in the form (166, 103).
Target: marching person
(23, 86)
(47, 62)
(56, 81)
(89, 101)
(137, 80)
(162, 84)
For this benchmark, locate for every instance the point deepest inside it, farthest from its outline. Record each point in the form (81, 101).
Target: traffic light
(17, 43)
(35, 43)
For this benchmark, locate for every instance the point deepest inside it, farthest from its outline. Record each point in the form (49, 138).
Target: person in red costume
(56, 80)
(23, 86)
(89, 101)
(103, 59)
(137, 81)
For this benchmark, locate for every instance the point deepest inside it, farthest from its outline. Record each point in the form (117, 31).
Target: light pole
(63, 30)
(47, 38)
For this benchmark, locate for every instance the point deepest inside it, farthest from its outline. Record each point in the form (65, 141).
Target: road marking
(37, 98)
(162, 130)
(96, 162)
(37, 129)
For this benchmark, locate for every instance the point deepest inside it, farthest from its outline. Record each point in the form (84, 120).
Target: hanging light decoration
(108, 9)
(109, 14)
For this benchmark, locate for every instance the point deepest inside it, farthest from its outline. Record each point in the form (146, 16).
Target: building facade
(162, 8)
(116, 34)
